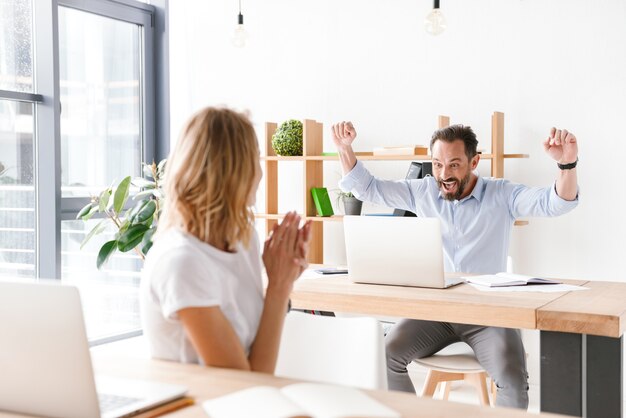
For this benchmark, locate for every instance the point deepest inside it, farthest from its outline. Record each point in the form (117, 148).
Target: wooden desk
(581, 332)
(206, 383)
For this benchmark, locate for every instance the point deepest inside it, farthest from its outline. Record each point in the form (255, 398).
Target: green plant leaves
(84, 211)
(103, 200)
(146, 193)
(146, 211)
(92, 211)
(101, 226)
(121, 194)
(147, 171)
(142, 212)
(147, 240)
(161, 169)
(131, 237)
(105, 252)
(143, 183)
(134, 226)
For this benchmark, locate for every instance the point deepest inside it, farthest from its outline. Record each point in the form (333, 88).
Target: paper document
(297, 400)
(507, 279)
(315, 273)
(530, 288)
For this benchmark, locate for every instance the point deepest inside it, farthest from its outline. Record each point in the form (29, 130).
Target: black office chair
(417, 170)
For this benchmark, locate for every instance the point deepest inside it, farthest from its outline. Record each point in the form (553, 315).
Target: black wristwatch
(568, 166)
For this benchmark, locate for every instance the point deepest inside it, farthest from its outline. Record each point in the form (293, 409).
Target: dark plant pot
(352, 206)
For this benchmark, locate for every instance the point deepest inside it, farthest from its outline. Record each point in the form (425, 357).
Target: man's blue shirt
(476, 230)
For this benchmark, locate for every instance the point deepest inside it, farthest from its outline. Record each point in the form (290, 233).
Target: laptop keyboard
(110, 402)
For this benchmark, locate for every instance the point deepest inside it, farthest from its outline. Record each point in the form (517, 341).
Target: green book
(322, 201)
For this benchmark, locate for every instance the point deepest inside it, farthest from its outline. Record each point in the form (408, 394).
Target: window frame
(50, 207)
(142, 15)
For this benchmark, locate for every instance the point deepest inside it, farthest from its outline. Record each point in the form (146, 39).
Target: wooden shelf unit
(313, 173)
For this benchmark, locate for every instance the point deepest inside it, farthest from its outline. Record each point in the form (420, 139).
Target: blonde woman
(202, 295)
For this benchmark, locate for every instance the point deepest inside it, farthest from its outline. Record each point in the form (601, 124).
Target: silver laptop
(45, 366)
(396, 250)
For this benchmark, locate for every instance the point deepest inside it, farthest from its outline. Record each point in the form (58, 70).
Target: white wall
(543, 63)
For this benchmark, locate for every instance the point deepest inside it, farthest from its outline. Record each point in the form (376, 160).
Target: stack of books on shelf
(402, 150)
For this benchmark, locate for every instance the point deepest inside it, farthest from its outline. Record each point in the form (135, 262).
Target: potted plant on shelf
(135, 226)
(287, 140)
(351, 205)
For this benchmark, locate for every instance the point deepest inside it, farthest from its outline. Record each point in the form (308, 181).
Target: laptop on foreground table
(396, 250)
(45, 365)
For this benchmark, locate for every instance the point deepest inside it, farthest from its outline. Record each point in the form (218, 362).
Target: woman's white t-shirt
(182, 272)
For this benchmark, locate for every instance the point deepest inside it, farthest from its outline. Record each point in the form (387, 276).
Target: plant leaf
(144, 194)
(161, 164)
(124, 226)
(147, 170)
(145, 212)
(94, 209)
(85, 210)
(101, 226)
(147, 240)
(131, 237)
(121, 195)
(143, 183)
(105, 252)
(131, 214)
(104, 200)
(146, 248)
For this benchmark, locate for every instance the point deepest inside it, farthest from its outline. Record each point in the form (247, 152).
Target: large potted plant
(134, 226)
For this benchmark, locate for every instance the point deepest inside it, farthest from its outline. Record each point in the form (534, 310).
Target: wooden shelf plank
(376, 157)
(334, 218)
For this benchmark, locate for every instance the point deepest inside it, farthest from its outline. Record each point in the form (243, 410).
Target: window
(17, 179)
(16, 49)
(17, 191)
(95, 59)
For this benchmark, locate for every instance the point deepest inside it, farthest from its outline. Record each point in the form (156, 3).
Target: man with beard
(477, 215)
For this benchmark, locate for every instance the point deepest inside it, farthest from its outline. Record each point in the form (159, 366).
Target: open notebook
(297, 400)
(507, 279)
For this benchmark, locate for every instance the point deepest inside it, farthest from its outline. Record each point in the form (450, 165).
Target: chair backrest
(343, 351)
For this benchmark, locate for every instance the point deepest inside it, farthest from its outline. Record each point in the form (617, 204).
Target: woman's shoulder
(174, 241)
(175, 247)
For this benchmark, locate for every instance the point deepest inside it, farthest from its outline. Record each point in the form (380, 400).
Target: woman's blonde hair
(209, 178)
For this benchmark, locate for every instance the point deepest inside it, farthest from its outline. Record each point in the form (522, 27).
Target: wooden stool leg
(446, 390)
(432, 380)
(479, 382)
(494, 391)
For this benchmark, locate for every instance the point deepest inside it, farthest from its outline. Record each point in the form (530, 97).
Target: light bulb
(435, 22)
(240, 36)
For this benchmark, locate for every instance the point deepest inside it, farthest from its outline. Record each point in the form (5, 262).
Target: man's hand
(562, 146)
(343, 134)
